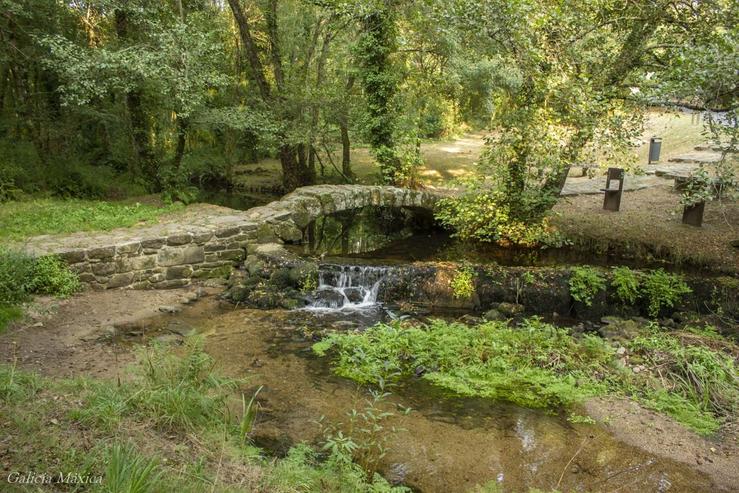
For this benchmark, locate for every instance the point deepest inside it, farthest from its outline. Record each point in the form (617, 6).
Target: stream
(445, 443)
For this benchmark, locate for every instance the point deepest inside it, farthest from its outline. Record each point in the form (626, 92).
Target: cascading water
(347, 287)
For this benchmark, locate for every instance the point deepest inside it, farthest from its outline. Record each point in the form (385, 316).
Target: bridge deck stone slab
(172, 254)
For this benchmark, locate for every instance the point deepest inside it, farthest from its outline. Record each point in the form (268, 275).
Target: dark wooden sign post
(612, 199)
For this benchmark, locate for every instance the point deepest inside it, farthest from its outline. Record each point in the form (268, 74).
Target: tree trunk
(293, 174)
(250, 48)
(307, 175)
(290, 168)
(144, 163)
(346, 155)
(181, 140)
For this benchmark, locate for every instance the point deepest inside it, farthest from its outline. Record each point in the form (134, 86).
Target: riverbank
(96, 334)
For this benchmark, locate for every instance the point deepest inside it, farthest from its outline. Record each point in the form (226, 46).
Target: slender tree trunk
(144, 163)
(250, 48)
(346, 153)
(292, 175)
(182, 125)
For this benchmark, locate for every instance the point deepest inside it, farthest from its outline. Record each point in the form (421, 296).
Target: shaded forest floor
(449, 159)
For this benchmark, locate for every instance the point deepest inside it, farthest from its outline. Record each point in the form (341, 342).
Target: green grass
(21, 220)
(170, 391)
(168, 429)
(541, 366)
(9, 313)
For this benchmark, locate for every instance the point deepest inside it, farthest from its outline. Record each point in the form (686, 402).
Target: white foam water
(343, 288)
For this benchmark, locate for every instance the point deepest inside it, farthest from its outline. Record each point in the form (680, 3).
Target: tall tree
(379, 79)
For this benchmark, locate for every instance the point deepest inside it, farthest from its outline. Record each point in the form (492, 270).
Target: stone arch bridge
(172, 254)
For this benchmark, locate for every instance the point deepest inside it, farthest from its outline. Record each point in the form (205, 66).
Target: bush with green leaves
(22, 275)
(663, 290)
(585, 283)
(463, 283)
(52, 276)
(626, 282)
(535, 365)
(16, 273)
(542, 366)
(489, 216)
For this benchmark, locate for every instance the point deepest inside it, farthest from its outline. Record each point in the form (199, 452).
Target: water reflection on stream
(446, 444)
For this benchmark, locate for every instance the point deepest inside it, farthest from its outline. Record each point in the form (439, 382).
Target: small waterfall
(347, 287)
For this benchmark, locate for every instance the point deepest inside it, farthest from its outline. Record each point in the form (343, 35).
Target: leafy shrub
(52, 276)
(16, 272)
(585, 283)
(489, 216)
(663, 290)
(22, 275)
(536, 365)
(463, 283)
(700, 187)
(626, 282)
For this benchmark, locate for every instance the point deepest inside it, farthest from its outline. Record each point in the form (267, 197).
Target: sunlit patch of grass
(24, 219)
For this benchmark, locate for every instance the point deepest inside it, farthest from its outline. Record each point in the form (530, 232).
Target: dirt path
(66, 338)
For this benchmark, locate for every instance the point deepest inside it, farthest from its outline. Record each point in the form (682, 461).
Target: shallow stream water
(445, 444)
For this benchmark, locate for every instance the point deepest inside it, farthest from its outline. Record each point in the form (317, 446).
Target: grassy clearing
(21, 220)
(541, 366)
(168, 428)
(450, 159)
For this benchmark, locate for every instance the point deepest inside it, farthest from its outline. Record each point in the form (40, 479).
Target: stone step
(712, 148)
(697, 158)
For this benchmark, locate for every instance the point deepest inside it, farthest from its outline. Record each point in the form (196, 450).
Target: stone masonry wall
(172, 255)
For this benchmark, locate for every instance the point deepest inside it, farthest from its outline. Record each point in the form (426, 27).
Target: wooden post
(693, 214)
(612, 199)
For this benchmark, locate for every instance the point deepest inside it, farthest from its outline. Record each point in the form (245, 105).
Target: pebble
(169, 309)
